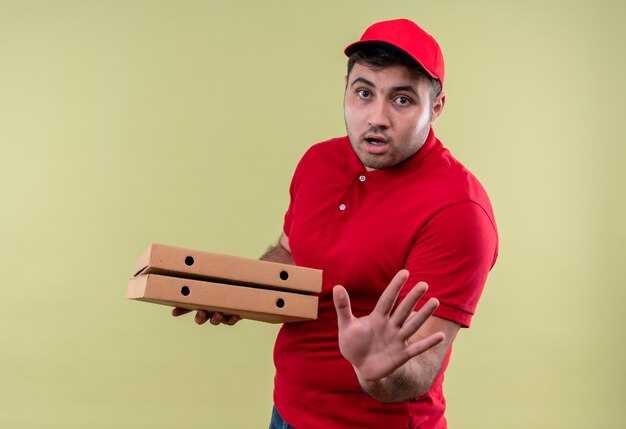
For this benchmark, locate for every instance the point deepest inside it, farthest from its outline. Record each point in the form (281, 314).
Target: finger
(405, 308)
(341, 300)
(418, 318)
(202, 316)
(419, 347)
(179, 311)
(217, 318)
(388, 297)
(231, 320)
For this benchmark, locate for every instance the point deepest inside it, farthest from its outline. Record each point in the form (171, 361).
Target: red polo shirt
(430, 215)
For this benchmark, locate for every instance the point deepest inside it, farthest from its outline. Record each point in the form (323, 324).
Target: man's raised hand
(378, 344)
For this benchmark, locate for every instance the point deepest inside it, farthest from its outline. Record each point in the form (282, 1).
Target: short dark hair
(381, 55)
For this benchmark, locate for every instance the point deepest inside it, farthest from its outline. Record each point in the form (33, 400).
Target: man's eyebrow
(362, 80)
(407, 88)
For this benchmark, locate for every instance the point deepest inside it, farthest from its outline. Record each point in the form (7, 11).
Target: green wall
(124, 123)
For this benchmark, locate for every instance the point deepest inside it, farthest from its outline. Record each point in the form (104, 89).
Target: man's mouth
(375, 141)
(376, 144)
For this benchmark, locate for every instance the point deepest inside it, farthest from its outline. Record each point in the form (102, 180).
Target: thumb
(342, 306)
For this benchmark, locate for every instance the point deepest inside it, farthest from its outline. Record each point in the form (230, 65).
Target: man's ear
(438, 104)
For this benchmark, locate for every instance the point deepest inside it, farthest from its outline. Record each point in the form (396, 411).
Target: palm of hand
(377, 344)
(373, 346)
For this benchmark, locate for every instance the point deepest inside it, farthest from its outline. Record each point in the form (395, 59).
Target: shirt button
(362, 178)
(342, 207)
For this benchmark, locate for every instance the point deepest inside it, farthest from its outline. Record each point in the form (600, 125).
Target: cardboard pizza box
(266, 305)
(215, 267)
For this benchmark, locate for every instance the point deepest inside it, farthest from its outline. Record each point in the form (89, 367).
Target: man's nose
(379, 114)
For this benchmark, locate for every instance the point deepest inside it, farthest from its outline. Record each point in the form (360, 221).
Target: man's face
(388, 114)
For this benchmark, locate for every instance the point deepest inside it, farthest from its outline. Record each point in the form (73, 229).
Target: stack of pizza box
(250, 288)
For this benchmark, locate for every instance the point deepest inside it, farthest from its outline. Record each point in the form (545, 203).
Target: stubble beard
(396, 153)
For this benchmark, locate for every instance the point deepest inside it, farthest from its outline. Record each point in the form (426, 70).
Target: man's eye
(403, 101)
(363, 93)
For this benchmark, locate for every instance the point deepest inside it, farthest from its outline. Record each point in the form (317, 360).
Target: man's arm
(397, 354)
(281, 252)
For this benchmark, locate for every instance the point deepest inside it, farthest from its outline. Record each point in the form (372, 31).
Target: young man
(395, 223)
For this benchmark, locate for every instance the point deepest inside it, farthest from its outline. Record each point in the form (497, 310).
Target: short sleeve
(454, 253)
(289, 213)
(293, 190)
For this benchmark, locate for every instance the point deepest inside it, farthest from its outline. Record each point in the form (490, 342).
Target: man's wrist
(398, 386)
(368, 385)
(376, 388)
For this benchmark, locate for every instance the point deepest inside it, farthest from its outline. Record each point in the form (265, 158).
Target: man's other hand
(203, 316)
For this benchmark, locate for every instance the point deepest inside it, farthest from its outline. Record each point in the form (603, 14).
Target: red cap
(409, 37)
